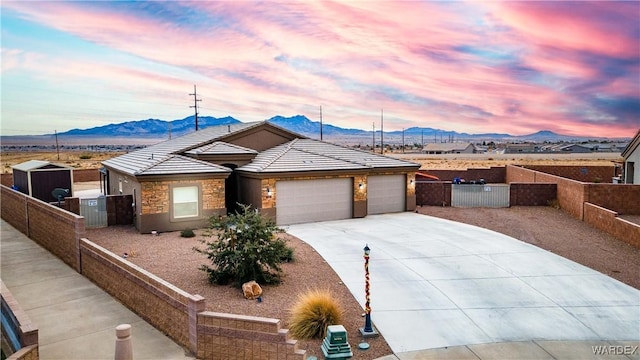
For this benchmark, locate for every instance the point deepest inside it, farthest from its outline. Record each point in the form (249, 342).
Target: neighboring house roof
(447, 146)
(220, 148)
(633, 145)
(37, 164)
(314, 155)
(135, 162)
(178, 164)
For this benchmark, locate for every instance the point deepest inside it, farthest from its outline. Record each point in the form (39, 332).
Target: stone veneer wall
(20, 325)
(156, 195)
(609, 222)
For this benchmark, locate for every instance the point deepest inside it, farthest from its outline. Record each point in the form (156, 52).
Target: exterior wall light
(269, 193)
(360, 186)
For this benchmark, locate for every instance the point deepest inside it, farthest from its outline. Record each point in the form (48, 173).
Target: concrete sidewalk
(441, 289)
(75, 318)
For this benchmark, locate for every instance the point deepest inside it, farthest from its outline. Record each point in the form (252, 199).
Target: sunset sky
(476, 67)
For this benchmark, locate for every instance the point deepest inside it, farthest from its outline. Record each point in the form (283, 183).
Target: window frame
(173, 203)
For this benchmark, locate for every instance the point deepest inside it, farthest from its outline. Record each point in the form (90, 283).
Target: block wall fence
(19, 324)
(597, 204)
(171, 310)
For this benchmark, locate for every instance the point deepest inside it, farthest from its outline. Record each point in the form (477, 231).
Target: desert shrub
(187, 233)
(554, 203)
(245, 248)
(313, 313)
(287, 255)
(85, 156)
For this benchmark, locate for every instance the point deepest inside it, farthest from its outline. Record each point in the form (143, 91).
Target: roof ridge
(281, 153)
(333, 157)
(160, 161)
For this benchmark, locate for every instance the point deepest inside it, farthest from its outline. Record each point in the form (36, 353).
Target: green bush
(187, 233)
(313, 313)
(245, 248)
(85, 156)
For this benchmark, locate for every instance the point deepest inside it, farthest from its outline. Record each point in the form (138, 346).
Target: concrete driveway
(437, 283)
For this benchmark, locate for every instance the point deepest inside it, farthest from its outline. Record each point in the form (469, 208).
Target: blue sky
(514, 67)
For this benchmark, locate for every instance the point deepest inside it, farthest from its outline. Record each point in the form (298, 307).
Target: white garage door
(302, 201)
(386, 194)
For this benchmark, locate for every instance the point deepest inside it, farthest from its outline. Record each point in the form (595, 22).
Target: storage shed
(39, 178)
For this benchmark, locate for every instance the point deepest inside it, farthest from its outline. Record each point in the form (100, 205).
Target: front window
(185, 201)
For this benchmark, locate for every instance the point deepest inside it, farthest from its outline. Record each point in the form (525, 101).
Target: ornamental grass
(313, 313)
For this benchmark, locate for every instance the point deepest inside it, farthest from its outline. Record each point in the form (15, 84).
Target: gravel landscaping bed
(171, 257)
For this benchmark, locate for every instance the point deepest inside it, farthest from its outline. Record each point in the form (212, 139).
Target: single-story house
(449, 148)
(39, 179)
(631, 155)
(180, 183)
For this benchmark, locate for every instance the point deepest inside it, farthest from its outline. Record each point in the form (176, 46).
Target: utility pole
(169, 130)
(195, 104)
(381, 131)
(320, 122)
(422, 140)
(403, 140)
(57, 148)
(373, 144)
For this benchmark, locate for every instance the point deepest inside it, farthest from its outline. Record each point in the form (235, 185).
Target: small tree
(246, 248)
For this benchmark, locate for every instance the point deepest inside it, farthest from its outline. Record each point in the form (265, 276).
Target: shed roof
(315, 155)
(37, 164)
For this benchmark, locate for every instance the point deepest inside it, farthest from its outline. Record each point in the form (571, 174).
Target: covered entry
(386, 193)
(300, 201)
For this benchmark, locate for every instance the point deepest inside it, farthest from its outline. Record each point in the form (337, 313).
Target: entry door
(386, 194)
(302, 201)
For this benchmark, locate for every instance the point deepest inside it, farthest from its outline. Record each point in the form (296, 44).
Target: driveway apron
(437, 283)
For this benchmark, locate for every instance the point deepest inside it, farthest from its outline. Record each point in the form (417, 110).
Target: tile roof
(220, 148)
(178, 164)
(135, 162)
(36, 164)
(315, 155)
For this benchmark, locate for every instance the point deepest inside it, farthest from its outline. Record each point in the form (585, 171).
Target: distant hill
(153, 130)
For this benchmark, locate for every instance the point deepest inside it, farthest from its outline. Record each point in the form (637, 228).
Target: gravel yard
(171, 257)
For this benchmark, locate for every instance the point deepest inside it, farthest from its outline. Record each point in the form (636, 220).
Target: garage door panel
(300, 201)
(386, 194)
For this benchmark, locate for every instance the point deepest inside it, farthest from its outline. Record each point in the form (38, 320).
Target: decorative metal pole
(367, 330)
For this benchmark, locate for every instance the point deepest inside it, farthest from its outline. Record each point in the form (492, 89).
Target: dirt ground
(172, 258)
(91, 160)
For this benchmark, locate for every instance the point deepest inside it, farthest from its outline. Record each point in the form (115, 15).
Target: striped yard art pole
(367, 330)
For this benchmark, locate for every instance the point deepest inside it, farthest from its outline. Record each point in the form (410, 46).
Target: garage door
(302, 201)
(386, 194)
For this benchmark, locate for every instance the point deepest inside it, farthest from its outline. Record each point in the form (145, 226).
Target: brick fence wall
(621, 198)
(18, 323)
(525, 194)
(55, 229)
(609, 222)
(153, 299)
(86, 175)
(603, 174)
(225, 336)
(571, 194)
(494, 175)
(168, 308)
(433, 193)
